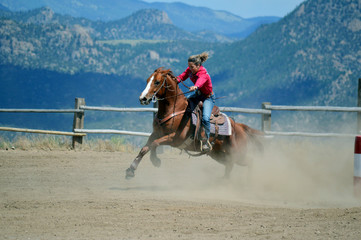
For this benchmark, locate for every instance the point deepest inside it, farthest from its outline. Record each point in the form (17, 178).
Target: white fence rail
(41, 110)
(266, 119)
(306, 134)
(315, 108)
(266, 113)
(113, 109)
(154, 110)
(112, 131)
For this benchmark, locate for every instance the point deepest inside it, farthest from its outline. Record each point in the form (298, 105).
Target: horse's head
(156, 86)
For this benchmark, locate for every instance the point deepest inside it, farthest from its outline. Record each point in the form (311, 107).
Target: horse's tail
(255, 136)
(252, 132)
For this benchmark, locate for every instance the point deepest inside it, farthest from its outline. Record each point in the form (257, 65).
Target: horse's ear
(161, 69)
(166, 71)
(170, 73)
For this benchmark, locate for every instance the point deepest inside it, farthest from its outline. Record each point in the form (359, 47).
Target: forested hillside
(312, 56)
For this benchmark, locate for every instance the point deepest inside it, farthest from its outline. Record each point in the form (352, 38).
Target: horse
(172, 126)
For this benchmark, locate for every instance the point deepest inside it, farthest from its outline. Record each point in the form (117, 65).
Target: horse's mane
(165, 71)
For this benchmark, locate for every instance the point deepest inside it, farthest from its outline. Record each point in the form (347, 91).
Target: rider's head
(195, 61)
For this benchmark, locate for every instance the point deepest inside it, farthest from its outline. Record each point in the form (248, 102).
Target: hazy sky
(245, 8)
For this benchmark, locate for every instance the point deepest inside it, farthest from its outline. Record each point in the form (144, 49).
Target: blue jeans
(208, 104)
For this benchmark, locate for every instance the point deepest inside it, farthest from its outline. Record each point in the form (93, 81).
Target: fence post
(359, 105)
(357, 168)
(266, 118)
(78, 122)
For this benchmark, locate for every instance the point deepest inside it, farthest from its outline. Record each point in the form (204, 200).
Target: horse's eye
(156, 83)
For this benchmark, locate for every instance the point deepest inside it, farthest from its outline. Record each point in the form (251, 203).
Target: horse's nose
(142, 100)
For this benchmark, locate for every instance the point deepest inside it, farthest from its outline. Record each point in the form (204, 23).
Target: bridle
(155, 99)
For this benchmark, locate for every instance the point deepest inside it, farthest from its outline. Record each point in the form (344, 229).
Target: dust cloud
(292, 172)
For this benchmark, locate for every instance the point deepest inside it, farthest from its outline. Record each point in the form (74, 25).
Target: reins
(154, 99)
(161, 99)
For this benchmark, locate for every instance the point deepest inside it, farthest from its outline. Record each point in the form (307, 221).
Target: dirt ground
(296, 191)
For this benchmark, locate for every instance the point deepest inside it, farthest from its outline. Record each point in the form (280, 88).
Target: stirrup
(206, 146)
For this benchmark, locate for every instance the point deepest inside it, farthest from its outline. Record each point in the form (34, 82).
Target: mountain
(144, 24)
(182, 15)
(38, 40)
(296, 60)
(105, 10)
(312, 56)
(221, 22)
(150, 24)
(3, 8)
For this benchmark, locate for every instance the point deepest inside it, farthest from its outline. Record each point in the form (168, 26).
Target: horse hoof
(156, 162)
(129, 173)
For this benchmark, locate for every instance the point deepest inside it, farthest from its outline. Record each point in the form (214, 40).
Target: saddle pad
(224, 129)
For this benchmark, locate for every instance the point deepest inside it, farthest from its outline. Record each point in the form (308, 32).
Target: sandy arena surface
(295, 191)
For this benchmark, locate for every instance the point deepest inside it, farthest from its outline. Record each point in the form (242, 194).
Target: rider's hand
(193, 88)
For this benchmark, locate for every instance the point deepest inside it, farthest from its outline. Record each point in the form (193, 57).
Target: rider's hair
(198, 59)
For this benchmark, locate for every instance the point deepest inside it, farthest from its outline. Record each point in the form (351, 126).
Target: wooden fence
(79, 132)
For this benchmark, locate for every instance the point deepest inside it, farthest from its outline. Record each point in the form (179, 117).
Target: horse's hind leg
(228, 168)
(224, 159)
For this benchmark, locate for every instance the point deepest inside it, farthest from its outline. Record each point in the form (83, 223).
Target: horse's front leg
(151, 145)
(129, 173)
(165, 140)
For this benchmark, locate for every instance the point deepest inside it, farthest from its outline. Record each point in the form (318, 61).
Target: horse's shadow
(152, 188)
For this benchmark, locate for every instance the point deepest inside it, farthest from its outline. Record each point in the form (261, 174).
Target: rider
(203, 92)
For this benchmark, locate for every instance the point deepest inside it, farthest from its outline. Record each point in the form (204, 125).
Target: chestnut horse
(173, 126)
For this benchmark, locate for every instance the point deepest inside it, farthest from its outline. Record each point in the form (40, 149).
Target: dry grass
(49, 143)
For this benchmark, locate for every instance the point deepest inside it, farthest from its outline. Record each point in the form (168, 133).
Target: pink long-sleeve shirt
(201, 79)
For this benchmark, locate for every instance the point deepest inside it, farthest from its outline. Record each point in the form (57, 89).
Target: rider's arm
(184, 75)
